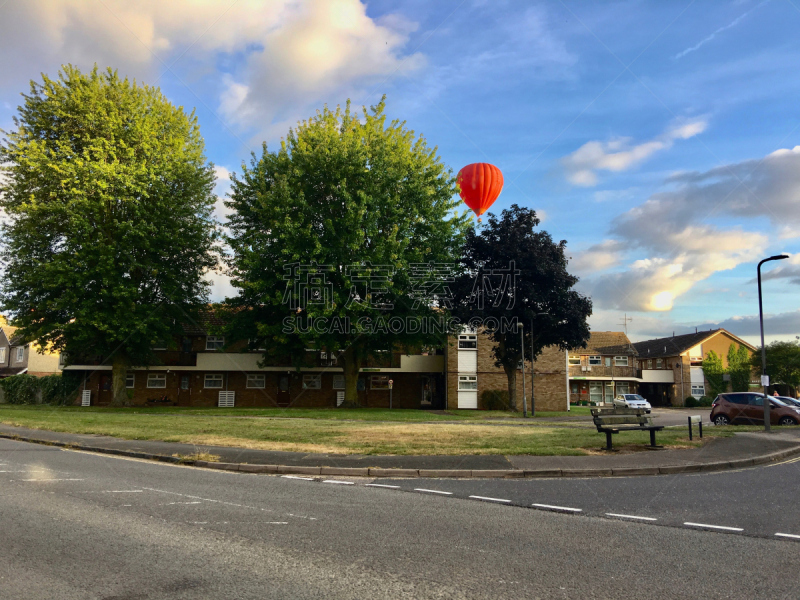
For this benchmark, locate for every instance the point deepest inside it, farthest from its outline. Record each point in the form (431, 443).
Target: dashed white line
(720, 527)
(487, 499)
(788, 535)
(383, 485)
(631, 517)
(45, 480)
(338, 482)
(558, 508)
(426, 491)
(171, 503)
(121, 492)
(297, 477)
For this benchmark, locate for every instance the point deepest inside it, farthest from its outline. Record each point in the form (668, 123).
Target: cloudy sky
(660, 139)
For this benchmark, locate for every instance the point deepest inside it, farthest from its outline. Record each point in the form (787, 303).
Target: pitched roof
(208, 320)
(670, 346)
(609, 342)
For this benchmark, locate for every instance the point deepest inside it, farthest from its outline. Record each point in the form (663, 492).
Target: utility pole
(764, 376)
(522, 349)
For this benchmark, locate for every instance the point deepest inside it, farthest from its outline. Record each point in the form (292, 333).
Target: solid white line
(631, 517)
(339, 482)
(558, 508)
(714, 526)
(788, 535)
(490, 499)
(383, 485)
(121, 492)
(52, 480)
(432, 491)
(297, 477)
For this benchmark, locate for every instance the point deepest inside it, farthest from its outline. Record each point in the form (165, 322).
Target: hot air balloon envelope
(481, 184)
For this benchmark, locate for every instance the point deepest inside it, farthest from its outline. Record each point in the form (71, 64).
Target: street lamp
(764, 377)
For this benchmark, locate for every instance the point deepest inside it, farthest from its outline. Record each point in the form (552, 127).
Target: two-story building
(17, 358)
(605, 368)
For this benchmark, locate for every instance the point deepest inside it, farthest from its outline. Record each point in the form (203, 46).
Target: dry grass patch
(205, 456)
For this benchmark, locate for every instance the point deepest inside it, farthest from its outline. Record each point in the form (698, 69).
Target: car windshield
(635, 397)
(789, 401)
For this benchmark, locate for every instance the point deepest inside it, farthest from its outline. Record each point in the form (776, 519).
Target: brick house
(605, 368)
(18, 358)
(672, 368)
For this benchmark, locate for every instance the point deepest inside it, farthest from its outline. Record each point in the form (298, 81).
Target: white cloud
(281, 55)
(618, 155)
(718, 31)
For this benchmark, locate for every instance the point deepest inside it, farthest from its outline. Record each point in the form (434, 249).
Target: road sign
(765, 380)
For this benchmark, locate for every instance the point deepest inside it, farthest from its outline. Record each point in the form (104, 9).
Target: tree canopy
(511, 270)
(714, 373)
(333, 229)
(108, 197)
(739, 367)
(783, 363)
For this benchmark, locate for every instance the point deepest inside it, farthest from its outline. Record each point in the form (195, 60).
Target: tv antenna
(625, 320)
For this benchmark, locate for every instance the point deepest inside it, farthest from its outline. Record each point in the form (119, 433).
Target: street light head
(778, 257)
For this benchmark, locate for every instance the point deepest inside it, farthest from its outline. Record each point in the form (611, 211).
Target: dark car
(788, 400)
(748, 408)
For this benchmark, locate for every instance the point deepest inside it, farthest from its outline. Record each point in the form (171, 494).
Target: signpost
(391, 383)
(696, 419)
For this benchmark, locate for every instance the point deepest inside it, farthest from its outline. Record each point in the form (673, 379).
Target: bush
(53, 389)
(705, 401)
(691, 402)
(494, 400)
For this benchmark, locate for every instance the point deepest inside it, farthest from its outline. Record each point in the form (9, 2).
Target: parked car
(788, 400)
(632, 401)
(748, 408)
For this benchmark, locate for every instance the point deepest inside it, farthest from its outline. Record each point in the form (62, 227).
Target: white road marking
(339, 482)
(558, 508)
(433, 491)
(226, 503)
(171, 503)
(121, 492)
(721, 527)
(383, 485)
(631, 517)
(788, 535)
(51, 480)
(490, 499)
(297, 477)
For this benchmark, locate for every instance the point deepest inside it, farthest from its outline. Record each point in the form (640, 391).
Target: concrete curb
(438, 473)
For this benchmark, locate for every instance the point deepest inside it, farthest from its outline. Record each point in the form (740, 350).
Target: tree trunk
(511, 374)
(351, 364)
(119, 373)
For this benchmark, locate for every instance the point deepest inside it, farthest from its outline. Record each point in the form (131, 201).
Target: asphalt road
(78, 525)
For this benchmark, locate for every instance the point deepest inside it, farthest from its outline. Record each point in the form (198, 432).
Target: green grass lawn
(368, 431)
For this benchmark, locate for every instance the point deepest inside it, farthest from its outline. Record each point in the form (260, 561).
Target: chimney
(695, 330)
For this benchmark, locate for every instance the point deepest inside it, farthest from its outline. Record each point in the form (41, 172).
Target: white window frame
(659, 363)
(256, 381)
(3, 354)
(130, 380)
(338, 382)
(620, 361)
(215, 342)
(213, 378)
(154, 378)
(572, 360)
(467, 383)
(379, 382)
(469, 339)
(649, 363)
(312, 381)
(623, 387)
(20, 354)
(698, 389)
(595, 361)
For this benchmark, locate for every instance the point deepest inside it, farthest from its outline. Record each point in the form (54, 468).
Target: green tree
(783, 363)
(714, 372)
(739, 367)
(108, 196)
(539, 295)
(361, 201)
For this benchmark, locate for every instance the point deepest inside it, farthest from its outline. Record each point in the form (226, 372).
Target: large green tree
(511, 271)
(739, 367)
(331, 229)
(108, 198)
(715, 374)
(783, 363)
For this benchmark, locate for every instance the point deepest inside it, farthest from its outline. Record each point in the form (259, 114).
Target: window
(20, 353)
(574, 388)
(338, 382)
(620, 361)
(623, 387)
(312, 382)
(184, 382)
(379, 382)
(467, 382)
(649, 363)
(130, 380)
(608, 361)
(254, 342)
(595, 392)
(256, 381)
(3, 355)
(214, 380)
(214, 342)
(157, 380)
(698, 389)
(62, 357)
(659, 363)
(162, 345)
(468, 342)
(575, 360)
(595, 360)
(753, 400)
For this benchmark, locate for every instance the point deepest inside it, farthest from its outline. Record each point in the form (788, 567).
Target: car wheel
(787, 421)
(721, 420)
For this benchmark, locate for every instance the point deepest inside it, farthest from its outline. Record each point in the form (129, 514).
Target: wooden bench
(614, 420)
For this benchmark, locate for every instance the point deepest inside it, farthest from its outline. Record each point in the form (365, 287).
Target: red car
(748, 408)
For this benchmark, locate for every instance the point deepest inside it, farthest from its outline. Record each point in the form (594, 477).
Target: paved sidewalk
(742, 450)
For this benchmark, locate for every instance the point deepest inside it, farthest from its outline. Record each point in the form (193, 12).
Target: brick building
(605, 368)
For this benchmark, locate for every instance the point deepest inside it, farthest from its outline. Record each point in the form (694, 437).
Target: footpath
(746, 449)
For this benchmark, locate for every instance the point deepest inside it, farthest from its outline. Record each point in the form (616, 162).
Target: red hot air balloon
(481, 184)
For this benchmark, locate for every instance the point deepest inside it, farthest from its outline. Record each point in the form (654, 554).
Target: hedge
(494, 400)
(53, 389)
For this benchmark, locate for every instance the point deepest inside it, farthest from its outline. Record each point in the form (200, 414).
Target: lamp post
(522, 349)
(391, 383)
(764, 377)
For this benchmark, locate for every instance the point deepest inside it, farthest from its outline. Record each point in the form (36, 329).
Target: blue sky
(660, 139)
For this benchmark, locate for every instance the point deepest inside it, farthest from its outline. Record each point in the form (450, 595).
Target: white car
(632, 401)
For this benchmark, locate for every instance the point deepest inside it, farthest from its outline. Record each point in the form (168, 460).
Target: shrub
(691, 402)
(494, 400)
(705, 401)
(53, 389)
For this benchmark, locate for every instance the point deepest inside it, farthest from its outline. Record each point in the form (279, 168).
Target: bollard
(695, 419)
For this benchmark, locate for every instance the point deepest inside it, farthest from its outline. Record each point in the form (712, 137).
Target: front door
(426, 400)
(184, 390)
(105, 394)
(609, 392)
(283, 391)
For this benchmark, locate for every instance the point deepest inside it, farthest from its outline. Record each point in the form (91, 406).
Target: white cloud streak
(705, 40)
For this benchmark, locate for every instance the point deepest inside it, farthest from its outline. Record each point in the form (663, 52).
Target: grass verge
(332, 435)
